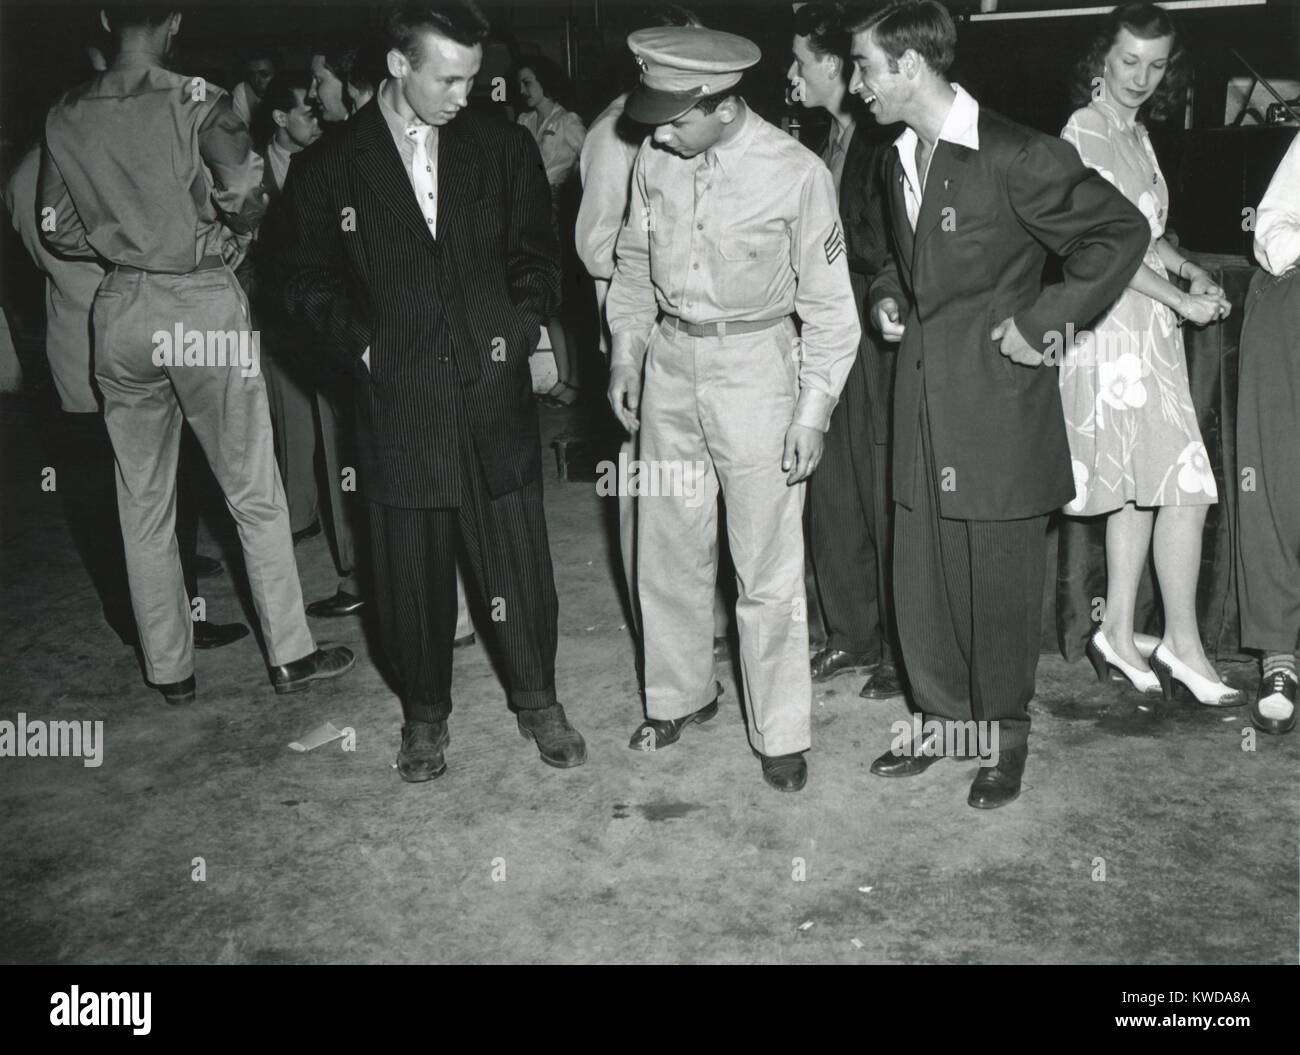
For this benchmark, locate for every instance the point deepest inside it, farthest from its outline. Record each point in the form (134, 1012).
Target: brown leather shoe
(655, 733)
(316, 666)
(421, 755)
(559, 743)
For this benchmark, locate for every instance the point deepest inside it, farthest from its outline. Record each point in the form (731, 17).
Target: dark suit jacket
(450, 322)
(988, 219)
(866, 238)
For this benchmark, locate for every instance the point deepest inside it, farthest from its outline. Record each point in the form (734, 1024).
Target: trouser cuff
(532, 699)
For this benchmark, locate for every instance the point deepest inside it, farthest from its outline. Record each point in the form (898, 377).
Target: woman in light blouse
(559, 134)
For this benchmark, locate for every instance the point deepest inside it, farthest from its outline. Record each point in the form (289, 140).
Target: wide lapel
(457, 171)
(947, 171)
(380, 165)
(904, 236)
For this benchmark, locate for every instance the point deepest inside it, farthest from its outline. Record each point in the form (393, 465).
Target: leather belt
(719, 329)
(211, 262)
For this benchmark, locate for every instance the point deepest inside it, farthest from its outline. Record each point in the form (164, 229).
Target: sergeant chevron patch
(834, 244)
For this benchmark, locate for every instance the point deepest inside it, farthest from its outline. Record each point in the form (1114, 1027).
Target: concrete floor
(683, 855)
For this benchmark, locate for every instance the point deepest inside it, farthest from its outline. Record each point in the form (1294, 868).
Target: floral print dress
(1124, 387)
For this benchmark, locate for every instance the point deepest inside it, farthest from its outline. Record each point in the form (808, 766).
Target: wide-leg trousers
(505, 546)
(143, 408)
(969, 596)
(714, 414)
(1268, 445)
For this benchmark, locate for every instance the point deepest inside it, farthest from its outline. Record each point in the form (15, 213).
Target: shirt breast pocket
(750, 265)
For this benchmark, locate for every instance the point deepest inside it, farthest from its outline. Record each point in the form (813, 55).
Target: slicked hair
(460, 21)
(923, 26)
(823, 24)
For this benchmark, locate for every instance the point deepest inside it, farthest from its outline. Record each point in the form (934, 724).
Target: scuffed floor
(684, 855)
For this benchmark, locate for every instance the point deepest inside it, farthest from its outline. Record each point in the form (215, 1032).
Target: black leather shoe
(317, 666)
(829, 662)
(915, 760)
(884, 684)
(310, 531)
(785, 772)
(205, 567)
(559, 743)
(995, 786)
(1276, 693)
(421, 755)
(342, 603)
(655, 733)
(464, 642)
(216, 635)
(177, 692)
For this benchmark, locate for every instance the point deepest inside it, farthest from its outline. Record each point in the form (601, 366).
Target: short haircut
(1147, 22)
(706, 104)
(458, 20)
(923, 26)
(553, 81)
(823, 24)
(280, 92)
(126, 16)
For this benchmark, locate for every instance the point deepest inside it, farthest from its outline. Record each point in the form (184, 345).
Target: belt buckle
(721, 328)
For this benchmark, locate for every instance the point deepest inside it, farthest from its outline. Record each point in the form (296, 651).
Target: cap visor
(651, 106)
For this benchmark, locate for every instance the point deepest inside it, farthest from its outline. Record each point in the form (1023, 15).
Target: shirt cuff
(629, 351)
(813, 410)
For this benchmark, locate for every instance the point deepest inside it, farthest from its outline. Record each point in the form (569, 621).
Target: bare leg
(1128, 539)
(1178, 564)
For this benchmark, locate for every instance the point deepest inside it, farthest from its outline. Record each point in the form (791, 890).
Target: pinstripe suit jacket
(450, 322)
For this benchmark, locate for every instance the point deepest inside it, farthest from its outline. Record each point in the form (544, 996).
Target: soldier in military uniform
(732, 232)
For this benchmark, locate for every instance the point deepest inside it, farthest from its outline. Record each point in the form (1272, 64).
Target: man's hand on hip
(1013, 345)
(625, 396)
(803, 452)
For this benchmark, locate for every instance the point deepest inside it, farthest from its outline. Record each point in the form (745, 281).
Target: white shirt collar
(961, 126)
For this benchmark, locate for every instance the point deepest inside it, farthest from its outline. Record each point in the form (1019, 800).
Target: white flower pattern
(1196, 476)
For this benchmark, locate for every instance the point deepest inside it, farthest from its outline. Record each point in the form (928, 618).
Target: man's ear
(910, 63)
(398, 64)
(279, 118)
(103, 21)
(728, 110)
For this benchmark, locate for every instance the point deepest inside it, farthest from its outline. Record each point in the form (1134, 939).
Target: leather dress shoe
(421, 755)
(1274, 708)
(829, 662)
(559, 743)
(884, 683)
(310, 531)
(217, 635)
(464, 642)
(342, 603)
(655, 733)
(785, 772)
(995, 786)
(316, 666)
(915, 760)
(177, 692)
(205, 567)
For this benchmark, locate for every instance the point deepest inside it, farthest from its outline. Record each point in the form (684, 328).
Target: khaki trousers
(143, 408)
(714, 414)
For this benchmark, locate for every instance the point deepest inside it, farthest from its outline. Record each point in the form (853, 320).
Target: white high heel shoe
(1169, 669)
(1104, 657)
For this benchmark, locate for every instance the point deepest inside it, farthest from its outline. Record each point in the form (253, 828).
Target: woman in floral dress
(1134, 441)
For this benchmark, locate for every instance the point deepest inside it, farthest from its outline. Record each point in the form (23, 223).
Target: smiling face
(1134, 68)
(438, 89)
(327, 90)
(530, 89)
(816, 79)
(885, 91)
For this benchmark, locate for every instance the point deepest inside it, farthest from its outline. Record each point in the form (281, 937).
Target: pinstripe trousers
(509, 559)
(969, 596)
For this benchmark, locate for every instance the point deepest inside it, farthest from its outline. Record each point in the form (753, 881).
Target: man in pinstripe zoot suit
(420, 249)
